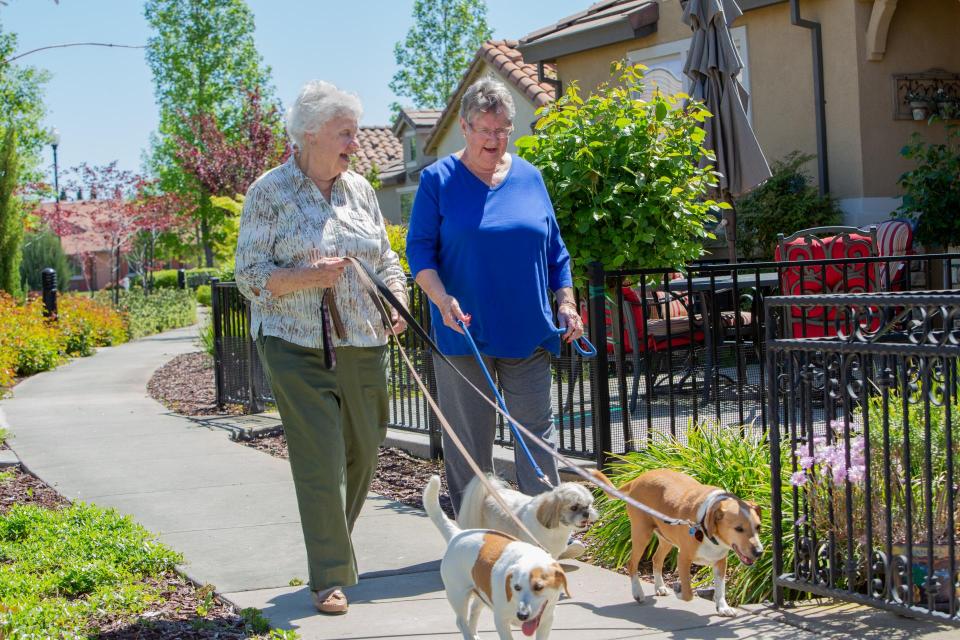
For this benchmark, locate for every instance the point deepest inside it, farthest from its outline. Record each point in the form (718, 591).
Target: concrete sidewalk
(89, 429)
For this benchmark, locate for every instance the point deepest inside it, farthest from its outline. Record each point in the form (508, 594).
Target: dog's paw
(574, 550)
(726, 611)
(663, 590)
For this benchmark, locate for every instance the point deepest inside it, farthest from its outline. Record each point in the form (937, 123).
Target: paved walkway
(90, 430)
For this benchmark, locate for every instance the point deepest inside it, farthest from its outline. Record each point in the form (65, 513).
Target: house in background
(382, 151)
(502, 60)
(86, 249)
(873, 52)
(399, 180)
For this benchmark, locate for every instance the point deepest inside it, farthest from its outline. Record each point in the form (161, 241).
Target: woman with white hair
(484, 245)
(319, 335)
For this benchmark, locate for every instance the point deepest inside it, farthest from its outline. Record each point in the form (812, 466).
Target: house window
(665, 64)
(406, 205)
(411, 149)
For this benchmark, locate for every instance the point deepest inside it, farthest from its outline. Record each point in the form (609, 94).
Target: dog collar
(700, 530)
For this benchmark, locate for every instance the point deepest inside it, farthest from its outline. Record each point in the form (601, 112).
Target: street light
(55, 142)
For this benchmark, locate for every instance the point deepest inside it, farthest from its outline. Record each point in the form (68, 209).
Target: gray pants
(525, 385)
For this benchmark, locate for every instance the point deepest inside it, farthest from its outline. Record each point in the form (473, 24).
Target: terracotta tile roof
(378, 146)
(77, 224)
(504, 57)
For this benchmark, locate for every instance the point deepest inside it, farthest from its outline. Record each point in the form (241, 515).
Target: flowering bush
(85, 324)
(28, 342)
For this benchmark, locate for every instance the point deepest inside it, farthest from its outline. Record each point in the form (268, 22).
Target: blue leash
(587, 352)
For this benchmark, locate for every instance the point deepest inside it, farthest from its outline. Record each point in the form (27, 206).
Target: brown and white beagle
(725, 523)
(520, 582)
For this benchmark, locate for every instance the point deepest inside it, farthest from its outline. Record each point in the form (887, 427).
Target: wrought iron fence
(863, 449)
(685, 348)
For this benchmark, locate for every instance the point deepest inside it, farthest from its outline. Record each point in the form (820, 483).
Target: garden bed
(162, 606)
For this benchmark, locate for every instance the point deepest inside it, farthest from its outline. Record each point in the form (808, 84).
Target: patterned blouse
(286, 221)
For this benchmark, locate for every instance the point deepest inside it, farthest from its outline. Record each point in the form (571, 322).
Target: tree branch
(72, 44)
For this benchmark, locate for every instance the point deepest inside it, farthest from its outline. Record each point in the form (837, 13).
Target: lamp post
(55, 142)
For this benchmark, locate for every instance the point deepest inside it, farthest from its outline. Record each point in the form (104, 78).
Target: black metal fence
(863, 443)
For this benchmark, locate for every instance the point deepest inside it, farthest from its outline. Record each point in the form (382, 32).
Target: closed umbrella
(713, 65)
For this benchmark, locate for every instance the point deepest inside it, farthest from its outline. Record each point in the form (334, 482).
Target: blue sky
(101, 99)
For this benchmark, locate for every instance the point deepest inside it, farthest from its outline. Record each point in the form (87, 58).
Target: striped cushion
(894, 238)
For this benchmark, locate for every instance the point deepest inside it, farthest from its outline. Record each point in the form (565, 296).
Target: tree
(11, 216)
(22, 107)
(624, 174)
(204, 62)
(42, 249)
(438, 49)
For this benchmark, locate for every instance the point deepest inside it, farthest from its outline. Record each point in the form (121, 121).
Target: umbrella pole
(730, 227)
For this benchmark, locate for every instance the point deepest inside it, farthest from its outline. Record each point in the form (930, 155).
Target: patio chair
(894, 238)
(825, 244)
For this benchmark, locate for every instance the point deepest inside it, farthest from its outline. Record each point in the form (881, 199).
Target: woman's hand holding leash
(452, 314)
(324, 271)
(569, 319)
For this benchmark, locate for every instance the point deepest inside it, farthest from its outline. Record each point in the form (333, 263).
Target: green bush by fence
(167, 278)
(159, 311)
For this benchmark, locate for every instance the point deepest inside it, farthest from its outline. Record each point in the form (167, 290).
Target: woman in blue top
(485, 247)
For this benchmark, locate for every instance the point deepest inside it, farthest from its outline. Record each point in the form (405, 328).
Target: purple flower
(806, 462)
(856, 473)
(801, 520)
(798, 479)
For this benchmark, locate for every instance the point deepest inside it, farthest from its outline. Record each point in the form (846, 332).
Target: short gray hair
(318, 102)
(487, 95)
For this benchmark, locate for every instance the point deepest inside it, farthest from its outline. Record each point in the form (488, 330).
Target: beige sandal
(335, 603)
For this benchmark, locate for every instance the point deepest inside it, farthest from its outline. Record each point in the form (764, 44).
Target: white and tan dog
(725, 523)
(551, 516)
(520, 583)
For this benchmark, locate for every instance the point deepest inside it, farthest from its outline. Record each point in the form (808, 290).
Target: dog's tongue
(530, 626)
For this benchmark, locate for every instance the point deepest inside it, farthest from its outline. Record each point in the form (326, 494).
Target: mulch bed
(186, 385)
(173, 616)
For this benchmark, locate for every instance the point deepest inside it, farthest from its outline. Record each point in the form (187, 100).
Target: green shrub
(28, 342)
(205, 336)
(167, 278)
(86, 324)
(41, 249)
(63, 568)
(161, 310)
(625, 175)
(397, 233)
(785, 203)
(719, 457)
(203, 295)
(931, 191)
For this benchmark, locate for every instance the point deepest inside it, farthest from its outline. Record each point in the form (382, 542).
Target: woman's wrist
(568, 304)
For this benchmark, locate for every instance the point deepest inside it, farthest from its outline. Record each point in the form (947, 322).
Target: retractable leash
(376, 285)
(503, 406)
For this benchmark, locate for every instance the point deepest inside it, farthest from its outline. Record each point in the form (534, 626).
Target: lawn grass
(67, 572)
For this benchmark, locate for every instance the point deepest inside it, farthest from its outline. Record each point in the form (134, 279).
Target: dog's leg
(475, 608)
(640, 533)
(546, 623)
(720, 589)
(663, 550)
(503, 627)
(460, 603)
(684, 560)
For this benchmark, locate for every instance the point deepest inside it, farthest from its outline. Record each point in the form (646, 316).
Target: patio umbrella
(713, 65)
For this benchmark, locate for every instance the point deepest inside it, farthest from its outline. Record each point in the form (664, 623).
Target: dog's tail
(431, 503)
(599, 475)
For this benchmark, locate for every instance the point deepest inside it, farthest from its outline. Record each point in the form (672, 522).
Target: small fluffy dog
(725, 523)
(520, 583)
(551, 516)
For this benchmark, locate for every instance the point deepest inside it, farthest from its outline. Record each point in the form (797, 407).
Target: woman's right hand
(324, 272)
(451, 312)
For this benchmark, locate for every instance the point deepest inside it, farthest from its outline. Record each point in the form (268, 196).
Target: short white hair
(487, 95)
(318, 102)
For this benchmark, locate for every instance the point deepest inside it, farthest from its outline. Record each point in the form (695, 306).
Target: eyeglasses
(502, 132)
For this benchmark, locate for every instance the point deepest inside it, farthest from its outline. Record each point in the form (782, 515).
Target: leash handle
(503, 406)
(587, 350)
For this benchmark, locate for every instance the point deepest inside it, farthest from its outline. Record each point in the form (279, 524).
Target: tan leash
(367, 278)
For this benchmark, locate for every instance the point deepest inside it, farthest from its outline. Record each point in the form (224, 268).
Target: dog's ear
(717, 513)
(509, 587)
(550, 510)
(756, 508)
(561, 577)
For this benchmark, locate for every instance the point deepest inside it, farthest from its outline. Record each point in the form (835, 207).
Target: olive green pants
(334, 422)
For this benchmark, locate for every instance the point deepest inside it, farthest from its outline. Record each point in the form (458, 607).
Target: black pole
(56, 180)
(599, 389)
(216, 311)
(773, 435)
(181, 279)
(48, 281)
